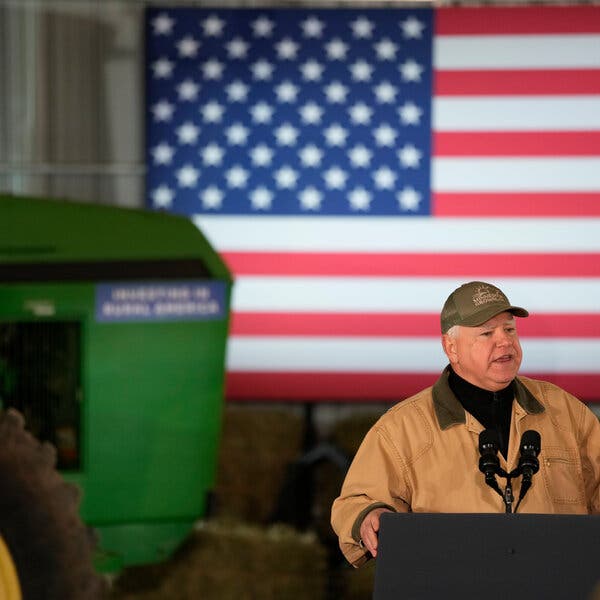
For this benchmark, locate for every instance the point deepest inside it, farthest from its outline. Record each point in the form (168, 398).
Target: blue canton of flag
(283, 111)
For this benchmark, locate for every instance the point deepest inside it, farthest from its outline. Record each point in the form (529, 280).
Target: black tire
(39, 520)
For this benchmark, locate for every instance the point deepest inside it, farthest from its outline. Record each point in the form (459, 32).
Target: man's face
(488, 356)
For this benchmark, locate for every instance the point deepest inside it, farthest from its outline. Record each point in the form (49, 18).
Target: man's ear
(449, 346)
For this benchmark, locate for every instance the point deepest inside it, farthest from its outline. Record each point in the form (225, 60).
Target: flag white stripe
(516, 113)
(399, 234)
(576, 51)
(378, 355)
(521, 174)
(405, 294)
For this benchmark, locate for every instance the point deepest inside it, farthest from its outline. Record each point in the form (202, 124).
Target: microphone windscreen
(532, 441)
(488, 438)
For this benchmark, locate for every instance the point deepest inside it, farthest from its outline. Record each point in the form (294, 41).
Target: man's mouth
(503, 359)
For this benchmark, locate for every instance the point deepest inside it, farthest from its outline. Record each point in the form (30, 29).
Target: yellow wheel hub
(9, 582)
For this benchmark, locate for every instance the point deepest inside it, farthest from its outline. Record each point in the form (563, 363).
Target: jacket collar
(449, 410)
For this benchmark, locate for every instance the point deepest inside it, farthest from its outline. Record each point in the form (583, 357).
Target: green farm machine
(113, 329)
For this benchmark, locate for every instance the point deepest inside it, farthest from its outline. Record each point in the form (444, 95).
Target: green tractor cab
(113, 329)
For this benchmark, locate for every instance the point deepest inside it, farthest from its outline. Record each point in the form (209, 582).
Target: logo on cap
(485, 295)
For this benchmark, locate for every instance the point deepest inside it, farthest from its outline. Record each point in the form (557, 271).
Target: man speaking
(476, 440)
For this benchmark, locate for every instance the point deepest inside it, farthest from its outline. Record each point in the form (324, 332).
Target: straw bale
(355, 584)
(348, 433)
(229, 560)
(256, 447)
(328, 479)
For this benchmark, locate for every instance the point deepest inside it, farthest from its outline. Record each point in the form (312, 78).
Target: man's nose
(501, 337)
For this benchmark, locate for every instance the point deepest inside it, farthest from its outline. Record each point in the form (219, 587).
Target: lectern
(487, 557)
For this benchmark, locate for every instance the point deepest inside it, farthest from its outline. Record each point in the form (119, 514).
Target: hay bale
(256, 447)
(328, 479)
(348, 433)
(355, 584)
(228, 560)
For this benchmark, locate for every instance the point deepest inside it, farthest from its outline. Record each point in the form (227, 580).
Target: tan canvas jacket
(423, 456)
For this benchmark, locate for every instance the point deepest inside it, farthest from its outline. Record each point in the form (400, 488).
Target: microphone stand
(490, 465)
(507, 496)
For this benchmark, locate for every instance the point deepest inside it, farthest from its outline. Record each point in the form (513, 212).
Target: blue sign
(175, 301)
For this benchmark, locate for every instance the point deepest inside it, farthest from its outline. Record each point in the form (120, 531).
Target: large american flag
(353, 166)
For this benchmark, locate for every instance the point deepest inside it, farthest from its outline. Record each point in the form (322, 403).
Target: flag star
(286, 92)
(212, 155)
(360, 156)
(386, 49)
(360, 199)
(286, 135)
(163, 154)
(212, 69)
(287, 49)
(410, 113)
(212, 112)
(212, 26)
(311, 70)
(409, 156)
(163, 68)
(187, 176)
(188, 90)
(361, 70)
(385, 135)
(336, 92)
(385, 92)
(408, 199)
(187, 133)
(384, 178)
(286, 177)
(336, 49)
(411, 70)
(237, 48)
(335, 135)
(261, 112)
(360, 113)
(237, 177)
(162, 196)
(362, 27)
(188, 47)
(412, 27)
(311, 156)
(335, 178)
(211, 197)
(237, 134)
(163, 111)
(163, 24)
(237, 91)
(312, 27)
(262, 70)
(310, 198)
(261, 198)
(261, 155)
(311, 113)
(262, 27)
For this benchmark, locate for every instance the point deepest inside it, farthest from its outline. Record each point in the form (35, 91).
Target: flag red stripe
(398, 324)
(551, 264)
(516, 143)
(546, 204)
(342, 387)
(517, 20)
(516, 82)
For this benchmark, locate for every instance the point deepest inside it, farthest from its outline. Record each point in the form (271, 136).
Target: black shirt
(491, 409)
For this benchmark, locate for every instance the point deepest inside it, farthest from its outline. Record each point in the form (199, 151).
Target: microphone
(529, 465)
(489, 463)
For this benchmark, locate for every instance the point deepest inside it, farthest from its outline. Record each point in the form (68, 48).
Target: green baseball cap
(474, 303)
